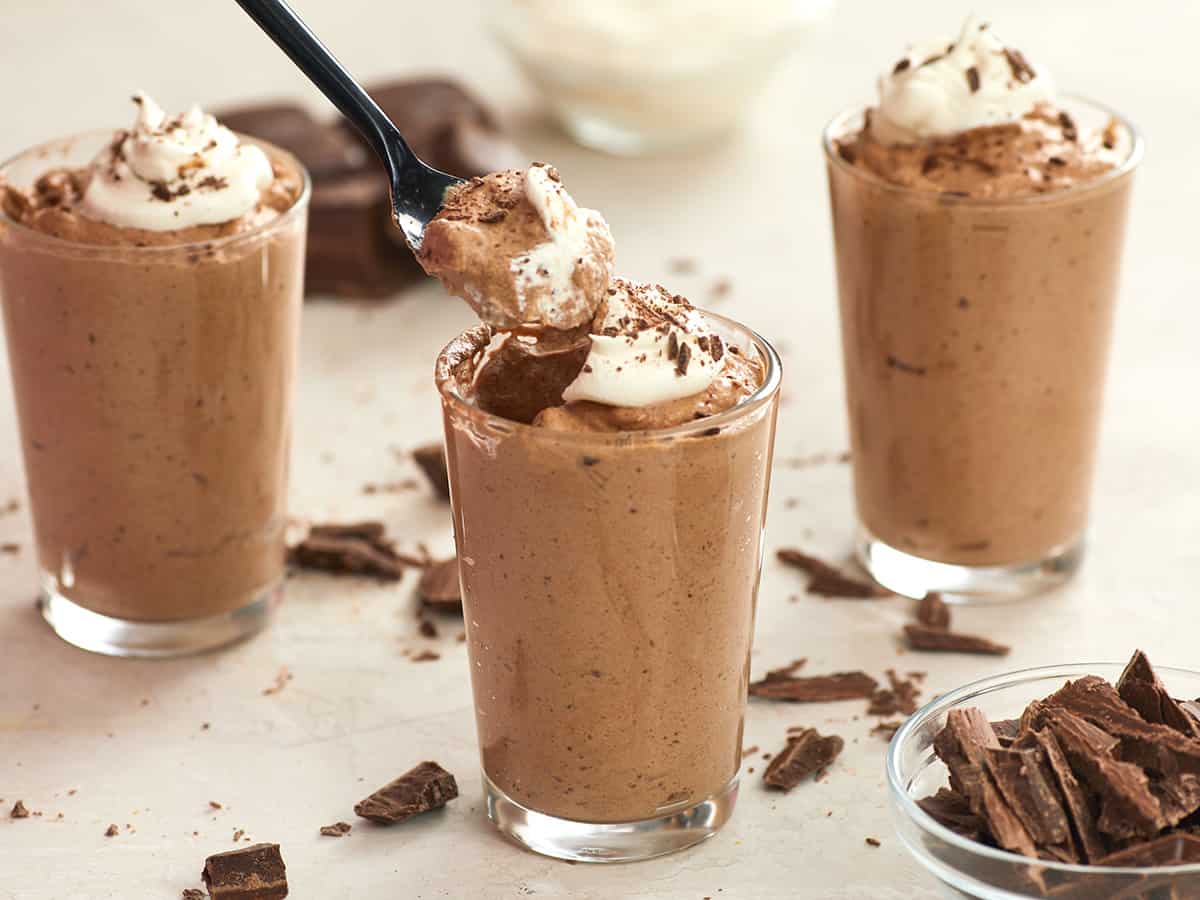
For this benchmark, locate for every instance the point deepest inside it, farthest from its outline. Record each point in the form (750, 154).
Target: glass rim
(1137, 149)
(444, 376)
(279, 222)
(954, 698)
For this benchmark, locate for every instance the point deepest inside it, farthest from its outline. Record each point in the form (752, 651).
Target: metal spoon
(417, 189)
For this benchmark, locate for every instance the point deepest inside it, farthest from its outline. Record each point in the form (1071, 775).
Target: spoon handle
(294, 38)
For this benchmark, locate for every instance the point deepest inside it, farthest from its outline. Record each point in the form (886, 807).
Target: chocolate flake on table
(10, 548)
(939, 640)
(359, 548)
(973, 79)
(193, 894)
(422, 788)
(439, 586)
(256, 872)
(807, 753)
(112, 831)
(337, 829)
(827, 581)
(815, 688)
(432, 460)
(750, 751)
(1089, 778)
(932, 611)
(873, 842)
(19, 811)
(901, 697)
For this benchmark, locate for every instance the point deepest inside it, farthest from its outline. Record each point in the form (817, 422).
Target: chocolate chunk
(323, 149)
(1178, 796)
(439, 585)
(1141, 688)
(112, 831)
(355, 549)
(900, 698)
(1006, 730)
(1149, 745)
(425, 787)
(19, 811)
(806, 753)
(950, 808)
(1127, 807)
(432, 460)
(1088, 840)
(933, 612)
(256, 872)
(815, 688)
(1175, 849)
(827, 581)
(939, 640)
(1031, 791)
(337, 829)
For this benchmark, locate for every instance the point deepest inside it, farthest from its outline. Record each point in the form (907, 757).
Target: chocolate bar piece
(323, 149)
(355, 549)
(1141, 688)
(806, 753)
(439, 585)
(424, 787)
(825, 580)
(939, 640)
(248, 873)
(431, 458)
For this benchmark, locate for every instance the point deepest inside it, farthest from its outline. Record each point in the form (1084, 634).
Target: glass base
(119, 637)
(611, 841)
(608, 136)
(914, 576)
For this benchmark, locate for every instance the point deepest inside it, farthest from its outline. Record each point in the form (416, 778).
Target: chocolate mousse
(978, 223)
(609, 480)
(151, 301)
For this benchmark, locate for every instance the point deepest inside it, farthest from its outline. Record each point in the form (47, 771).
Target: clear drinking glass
(609, 585)
(975, 336)
(153, 386)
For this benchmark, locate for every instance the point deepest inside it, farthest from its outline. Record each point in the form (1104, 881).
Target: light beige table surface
(127, 737)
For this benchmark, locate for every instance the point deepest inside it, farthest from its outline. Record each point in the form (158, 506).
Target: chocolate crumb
(19, 811)
(933, 612)
(887, 729)
(716, 347)
(873, 842)
(1021, 70)
(1068, 126)
(214, 804)
(337, 829)
(112, 831)
(427, 629)
(973, 79)
(901, 66)
(426, 656)
(192, 894)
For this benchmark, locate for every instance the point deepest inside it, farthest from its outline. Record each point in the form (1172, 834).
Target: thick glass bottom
(914, 576)
(120, 637)
(610, 841)
(610, 136)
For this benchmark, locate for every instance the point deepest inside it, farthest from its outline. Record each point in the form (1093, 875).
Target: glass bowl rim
(908, 806)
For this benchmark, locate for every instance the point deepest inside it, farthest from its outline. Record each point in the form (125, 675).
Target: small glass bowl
(914, 772)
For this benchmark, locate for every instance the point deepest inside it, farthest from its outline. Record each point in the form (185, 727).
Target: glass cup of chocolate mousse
(151, 284)
(608, 495)
(978, 226)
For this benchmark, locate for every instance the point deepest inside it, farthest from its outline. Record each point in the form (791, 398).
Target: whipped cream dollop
(175, 172)
(648, 347)
(944, 87)
(544, 278)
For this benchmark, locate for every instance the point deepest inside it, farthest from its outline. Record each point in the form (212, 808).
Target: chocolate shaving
(901, 66)
(422, 788)
(672, 345)
(685, 357)
(900, 698)
(1069, 131)
(112, 831)
(439, 585)
(1021, 70)
(973, 79)
(827, 581)
(337, 829)
(932, 611)
(950, 808)
(815, 688)
(939, 640)
(431, 459)
(256, 872)
(716, 347)
(355, 549)
(1141, 688)
(807, 753)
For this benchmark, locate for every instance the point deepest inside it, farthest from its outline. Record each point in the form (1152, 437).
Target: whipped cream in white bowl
(639, 76)
(171, 172)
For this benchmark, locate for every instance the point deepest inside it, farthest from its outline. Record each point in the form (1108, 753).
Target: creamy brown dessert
(151, 302)
(610, 552)
(978, 230)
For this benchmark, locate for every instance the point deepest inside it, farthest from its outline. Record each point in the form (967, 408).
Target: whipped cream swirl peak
(171, 172)
(941, 88)
(648, 347)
